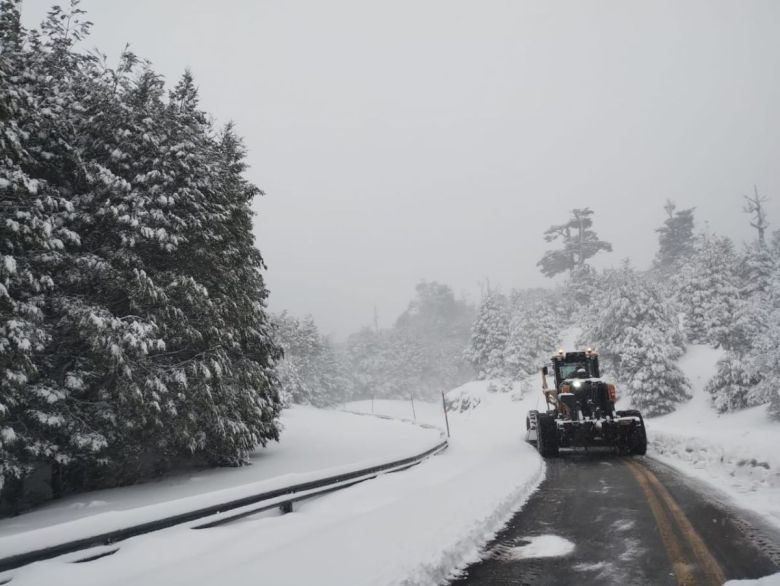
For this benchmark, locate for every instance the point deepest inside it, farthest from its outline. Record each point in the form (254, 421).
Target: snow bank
(415, 527)
(773, 580)
(736, 452)
(315, 444)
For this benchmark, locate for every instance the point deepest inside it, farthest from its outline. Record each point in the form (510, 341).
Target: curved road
(610, 520)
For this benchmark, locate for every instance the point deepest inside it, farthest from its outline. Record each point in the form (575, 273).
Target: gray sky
(438, 139)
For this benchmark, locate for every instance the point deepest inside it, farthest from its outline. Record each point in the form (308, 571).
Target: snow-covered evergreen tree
(708, 292)
(438, 326)
(312, 372)
(534, 335)
(580, 242)
(757, 368)
(733, 382)
(421, 355)
(755, 270)
(364, 355)
(675, 238)
(489, 335)
(649, 371)
(635, 331)
(36, 424)
(744, 375)
(774, 404)
(132, 306)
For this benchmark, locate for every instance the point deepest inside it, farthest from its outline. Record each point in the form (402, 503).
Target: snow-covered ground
(315, 444)
(736, 452)
(413, 527)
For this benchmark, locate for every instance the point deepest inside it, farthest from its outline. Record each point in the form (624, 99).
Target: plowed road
(598, 519)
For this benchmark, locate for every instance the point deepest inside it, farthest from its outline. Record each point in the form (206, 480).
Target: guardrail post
(286, 507)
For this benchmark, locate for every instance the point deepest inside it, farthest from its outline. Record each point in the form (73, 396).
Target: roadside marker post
(446, 419)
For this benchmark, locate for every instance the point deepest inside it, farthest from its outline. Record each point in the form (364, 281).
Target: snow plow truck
(581, 410)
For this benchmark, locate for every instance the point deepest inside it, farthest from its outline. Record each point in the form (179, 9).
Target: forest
(133, 328)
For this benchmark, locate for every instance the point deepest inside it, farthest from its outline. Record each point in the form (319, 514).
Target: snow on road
(735, 452)
(412, 527)
(536, 546)
(315, 444)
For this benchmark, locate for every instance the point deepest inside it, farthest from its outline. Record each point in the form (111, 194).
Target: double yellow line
(676, 531)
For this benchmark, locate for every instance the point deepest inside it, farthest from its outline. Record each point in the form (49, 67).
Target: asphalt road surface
(601, 519)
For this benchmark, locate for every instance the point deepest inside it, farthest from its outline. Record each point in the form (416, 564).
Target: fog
(438, 140)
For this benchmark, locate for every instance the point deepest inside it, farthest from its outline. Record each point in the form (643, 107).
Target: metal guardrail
(281, 497)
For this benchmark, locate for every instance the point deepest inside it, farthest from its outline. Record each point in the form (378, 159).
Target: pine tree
(580, 242)
(635, 331)
(421, 354)
(312, 372)
(36, 423)
(675, 238)
(734, 379)
(760, 364)
(132, 307)
(489, 336)
(405, 364)
(708, 292)
(534, 334)
(439, 325)
(774, 404)
(743, 376)
(648, 366)
(756, 268)
(365, 362)
(107, 315)
(518, 360)
(216, 320)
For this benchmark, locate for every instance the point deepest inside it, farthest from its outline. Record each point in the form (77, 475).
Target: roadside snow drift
(414, 527)
(315, 444)
(735, 452)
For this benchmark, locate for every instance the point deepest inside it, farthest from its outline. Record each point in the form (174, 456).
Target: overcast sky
(413, 139)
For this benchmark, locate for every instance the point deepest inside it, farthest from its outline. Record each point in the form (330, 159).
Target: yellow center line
(680, 565)
(709, 564)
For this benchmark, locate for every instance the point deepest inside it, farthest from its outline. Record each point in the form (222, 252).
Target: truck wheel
(639, 441)
(528, 430)
(546, 436)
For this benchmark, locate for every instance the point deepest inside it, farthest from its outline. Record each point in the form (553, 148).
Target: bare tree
(755, 207)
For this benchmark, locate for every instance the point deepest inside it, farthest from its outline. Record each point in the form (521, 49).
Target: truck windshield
(568, 369)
